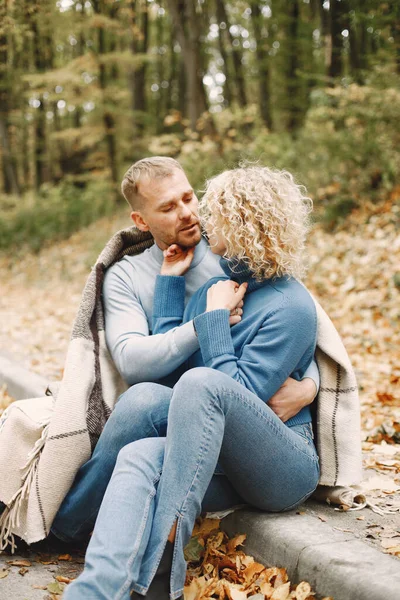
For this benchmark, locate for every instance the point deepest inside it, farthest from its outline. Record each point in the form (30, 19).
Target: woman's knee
(198, 386)
(199, 377)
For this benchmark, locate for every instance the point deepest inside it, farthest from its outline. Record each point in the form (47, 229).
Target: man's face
(169, 211)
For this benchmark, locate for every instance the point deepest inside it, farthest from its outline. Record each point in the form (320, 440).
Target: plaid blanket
(44, 441)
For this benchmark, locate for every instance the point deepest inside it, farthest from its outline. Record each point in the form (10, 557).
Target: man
(164, 203)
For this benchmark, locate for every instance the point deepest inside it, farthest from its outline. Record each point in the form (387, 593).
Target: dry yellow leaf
(205, 526)
(303, 591)
(236, 594)
(282, 592)
(235, 542)
(19, 563)
(192, 591)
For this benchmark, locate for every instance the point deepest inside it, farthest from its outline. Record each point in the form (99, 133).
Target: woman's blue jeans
(157, 481)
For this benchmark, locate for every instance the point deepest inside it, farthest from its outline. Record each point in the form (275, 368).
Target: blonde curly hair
(263, 216)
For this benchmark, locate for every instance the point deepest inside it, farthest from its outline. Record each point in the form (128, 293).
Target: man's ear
(139, 221)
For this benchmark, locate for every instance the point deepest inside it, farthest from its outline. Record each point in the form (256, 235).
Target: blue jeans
(156, 482)
(141, 412)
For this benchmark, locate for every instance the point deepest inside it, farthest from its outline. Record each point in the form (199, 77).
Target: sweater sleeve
(138, 355)
(312, 372)
(281, 342)
(168, 303)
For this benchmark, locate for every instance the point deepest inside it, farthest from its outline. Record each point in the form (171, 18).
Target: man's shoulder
(129, 272)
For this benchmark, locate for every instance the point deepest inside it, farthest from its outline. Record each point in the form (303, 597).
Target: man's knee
(144, 452)
(139, 400)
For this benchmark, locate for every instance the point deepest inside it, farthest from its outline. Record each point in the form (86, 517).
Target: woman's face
(216, 241)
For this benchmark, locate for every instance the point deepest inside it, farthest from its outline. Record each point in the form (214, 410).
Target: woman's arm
(169, 303)
(285, 337)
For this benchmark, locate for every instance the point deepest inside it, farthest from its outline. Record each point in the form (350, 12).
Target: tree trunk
(264, 87)
(10, 179)
(184, 19)
(325, 19)
(108, 117)
(236, 56)
(337, 21)
(228, 94)
(139, 45)
(294, 91)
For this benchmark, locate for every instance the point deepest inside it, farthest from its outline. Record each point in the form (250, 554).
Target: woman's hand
(227, 295)
(176, 260)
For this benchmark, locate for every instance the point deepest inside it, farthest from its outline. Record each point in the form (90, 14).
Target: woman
(218, 417)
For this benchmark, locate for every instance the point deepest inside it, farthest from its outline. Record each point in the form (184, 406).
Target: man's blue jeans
(211, 419)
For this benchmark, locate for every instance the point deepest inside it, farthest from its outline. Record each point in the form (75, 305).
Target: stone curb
(335, 564)
(20, 382)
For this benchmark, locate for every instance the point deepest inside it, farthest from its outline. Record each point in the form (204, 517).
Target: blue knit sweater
(275, 339)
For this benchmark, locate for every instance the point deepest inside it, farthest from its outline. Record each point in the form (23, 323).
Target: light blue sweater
(275, 339)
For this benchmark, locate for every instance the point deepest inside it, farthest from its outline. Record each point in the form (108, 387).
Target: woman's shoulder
(287, 293)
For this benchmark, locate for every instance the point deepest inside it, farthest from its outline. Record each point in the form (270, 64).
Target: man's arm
(294, 395)
(138, 355)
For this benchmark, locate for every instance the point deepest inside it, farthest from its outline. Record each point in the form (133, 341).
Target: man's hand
(291, 397)
(176, 260)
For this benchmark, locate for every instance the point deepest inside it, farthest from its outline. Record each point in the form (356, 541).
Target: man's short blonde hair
(156, 167)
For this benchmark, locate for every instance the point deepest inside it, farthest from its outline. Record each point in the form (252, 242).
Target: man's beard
(186, 245)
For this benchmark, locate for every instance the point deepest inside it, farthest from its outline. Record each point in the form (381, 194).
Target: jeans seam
(204, 445)
(126, 585)
(251, 406)
(179, 514)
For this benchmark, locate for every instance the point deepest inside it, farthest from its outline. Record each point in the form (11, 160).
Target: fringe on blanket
(10, 518)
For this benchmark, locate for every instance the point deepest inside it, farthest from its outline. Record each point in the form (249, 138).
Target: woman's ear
(139, 221)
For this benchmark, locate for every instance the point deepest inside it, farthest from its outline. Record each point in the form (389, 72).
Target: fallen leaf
(282, 592)
(237, 594)
(252, 571)
(39, 587)
(322, 518)
(62, 579)
(235, 542)
(390, 542)
(205, 526)
(65, 557)
(55, 588)
(3, 574)
(19, 563)
(303, 590)
(23, 571)
(192, 590)
(266, 588)
(194, 550)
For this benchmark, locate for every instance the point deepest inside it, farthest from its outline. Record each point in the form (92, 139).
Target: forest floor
(354, 273)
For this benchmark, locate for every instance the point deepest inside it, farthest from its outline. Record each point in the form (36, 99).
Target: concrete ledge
(334, 563)
(21, 383)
